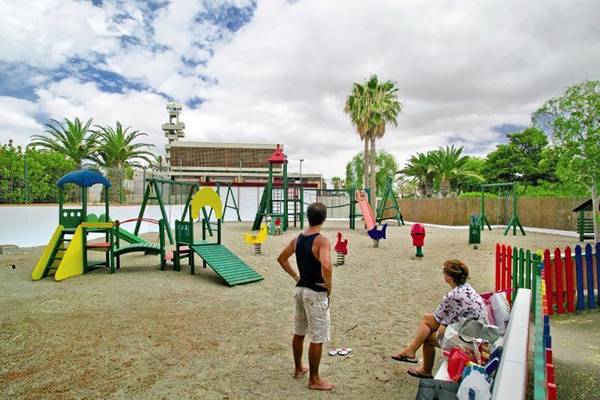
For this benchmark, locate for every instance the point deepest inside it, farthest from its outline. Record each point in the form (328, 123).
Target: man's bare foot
(320, 384)
(299, 373)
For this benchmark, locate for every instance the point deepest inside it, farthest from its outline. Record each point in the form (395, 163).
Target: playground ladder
(59, 250)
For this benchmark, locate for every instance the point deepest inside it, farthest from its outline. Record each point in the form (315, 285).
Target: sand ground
(146, 333)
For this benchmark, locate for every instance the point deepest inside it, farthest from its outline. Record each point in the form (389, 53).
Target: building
(239, 164)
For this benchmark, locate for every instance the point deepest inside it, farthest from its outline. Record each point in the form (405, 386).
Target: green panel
(184, 232)
(129, 237)
(71, 218)
(227, 265)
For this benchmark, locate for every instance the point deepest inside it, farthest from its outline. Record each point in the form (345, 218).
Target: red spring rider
(341, 248)
(417, 231)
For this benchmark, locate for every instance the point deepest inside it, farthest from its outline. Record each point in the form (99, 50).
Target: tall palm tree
(118, 150)
(448, 165)
(74, 139)
(371, 106)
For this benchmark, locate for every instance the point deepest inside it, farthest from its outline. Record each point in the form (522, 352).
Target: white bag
(474, 386)
(501, 310)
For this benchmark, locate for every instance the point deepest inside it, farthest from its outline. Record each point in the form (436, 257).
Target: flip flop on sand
(334, 352)
(417, 373)
(405, 359)
(344, 351)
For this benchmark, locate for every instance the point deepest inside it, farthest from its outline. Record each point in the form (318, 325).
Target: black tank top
(308, 265)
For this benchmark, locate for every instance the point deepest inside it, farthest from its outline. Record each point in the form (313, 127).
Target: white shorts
(311, 315)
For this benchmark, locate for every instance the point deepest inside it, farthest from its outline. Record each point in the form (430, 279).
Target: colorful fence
(544, 387)
(572, 279)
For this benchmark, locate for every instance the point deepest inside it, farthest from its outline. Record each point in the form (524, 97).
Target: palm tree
(449, 165)
(371, 106)
(117, 151)
(74, 139)
(420, 167)
(159, 164)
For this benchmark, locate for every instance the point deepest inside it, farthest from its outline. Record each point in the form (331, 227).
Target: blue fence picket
(589, 267)
(579, 277)
(598, 269)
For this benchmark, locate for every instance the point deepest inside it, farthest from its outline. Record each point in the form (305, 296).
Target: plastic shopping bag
(501, 310)
(475, 385)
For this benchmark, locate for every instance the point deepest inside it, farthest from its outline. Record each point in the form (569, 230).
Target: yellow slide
(38, 271)
(72, 261)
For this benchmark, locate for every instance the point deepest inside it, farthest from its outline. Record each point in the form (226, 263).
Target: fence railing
(572, 279)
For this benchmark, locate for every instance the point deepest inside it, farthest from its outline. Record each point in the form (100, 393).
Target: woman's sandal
(405, 359)
(412, 371)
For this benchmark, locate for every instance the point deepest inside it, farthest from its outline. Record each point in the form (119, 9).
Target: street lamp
(301, 161)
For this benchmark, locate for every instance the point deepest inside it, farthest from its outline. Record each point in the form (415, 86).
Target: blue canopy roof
(83, 177)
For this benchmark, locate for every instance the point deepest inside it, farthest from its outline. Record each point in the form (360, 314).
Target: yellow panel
(206, 197)
(72, 262)
(102, 225)
(38, 271)
(259, 237)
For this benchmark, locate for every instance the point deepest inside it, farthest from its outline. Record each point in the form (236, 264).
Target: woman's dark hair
(457, 270)
(316, 212)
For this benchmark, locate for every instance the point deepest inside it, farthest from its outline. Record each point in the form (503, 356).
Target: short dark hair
(457, 270)
(317, 213)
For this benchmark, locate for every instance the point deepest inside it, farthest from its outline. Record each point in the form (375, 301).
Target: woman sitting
(462, 302)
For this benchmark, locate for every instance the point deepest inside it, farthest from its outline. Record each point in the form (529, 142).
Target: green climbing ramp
(227, 265)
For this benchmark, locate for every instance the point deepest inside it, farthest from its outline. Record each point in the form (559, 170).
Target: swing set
(508, 190)
(154, 191)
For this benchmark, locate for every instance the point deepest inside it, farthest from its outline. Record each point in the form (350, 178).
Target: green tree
(573, 121)
(474, 165)
(119, 150)
(386, 166)
(159, 163)
(448, 166)
(74, 139)
(337, 182)
(30, 176)
(371, 106)
(420, 169)
(519, 159)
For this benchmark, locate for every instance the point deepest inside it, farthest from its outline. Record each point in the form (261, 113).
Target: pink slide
(369, 217)
(366, 210)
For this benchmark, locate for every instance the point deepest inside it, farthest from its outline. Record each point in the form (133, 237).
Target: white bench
(511, 378)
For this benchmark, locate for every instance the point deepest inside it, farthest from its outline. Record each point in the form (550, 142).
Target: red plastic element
(277, 221)
(549, 373)
(569, 279)
(457, 361)
(498, 267)
(551, 393)
(559, 281)
(278, 157)
(150, 220)
(548, 356)
(342, 245)
(99, 245)
(417, 231)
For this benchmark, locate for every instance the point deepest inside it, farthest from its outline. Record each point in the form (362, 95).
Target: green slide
(227, 265)
(130, 237)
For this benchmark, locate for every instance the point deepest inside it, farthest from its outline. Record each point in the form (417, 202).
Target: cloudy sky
(278, 71)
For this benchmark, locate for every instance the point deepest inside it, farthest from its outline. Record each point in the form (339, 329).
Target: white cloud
(17, 119)
(462, 68)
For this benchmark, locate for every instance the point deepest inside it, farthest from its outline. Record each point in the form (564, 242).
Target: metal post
(25, 172)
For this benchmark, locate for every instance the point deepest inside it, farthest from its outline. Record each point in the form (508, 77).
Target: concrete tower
(173, 129)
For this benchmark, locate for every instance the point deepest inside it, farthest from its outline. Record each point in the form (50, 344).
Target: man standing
(313, 288)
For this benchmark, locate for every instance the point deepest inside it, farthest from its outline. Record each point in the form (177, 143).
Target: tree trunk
(373, 175)
(595, 210)
(366, 164)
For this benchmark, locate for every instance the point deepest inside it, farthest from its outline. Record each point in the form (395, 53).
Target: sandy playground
(146, 333)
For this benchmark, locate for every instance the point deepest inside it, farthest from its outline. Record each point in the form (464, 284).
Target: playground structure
(66, 254)
(277, 196)
(509, 189)
(256, 240)
(336, 200)
(417, 232)
(154, 192)
(341, 249)
(226, 265)
(585, 222)
(140, 245)
(389, 196)
(369, 218)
